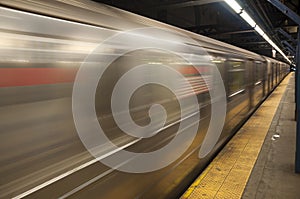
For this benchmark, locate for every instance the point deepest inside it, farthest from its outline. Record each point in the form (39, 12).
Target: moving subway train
(51, 54)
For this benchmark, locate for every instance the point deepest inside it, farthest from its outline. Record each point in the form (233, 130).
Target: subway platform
(259, 161)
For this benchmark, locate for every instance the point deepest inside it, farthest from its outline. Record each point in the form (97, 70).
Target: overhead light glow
(259, 30)
(248, 19)
(266, 38)
(234, 5)
(239, 10)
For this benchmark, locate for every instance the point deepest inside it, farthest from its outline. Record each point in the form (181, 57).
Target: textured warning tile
(227, 175)
(202, 194)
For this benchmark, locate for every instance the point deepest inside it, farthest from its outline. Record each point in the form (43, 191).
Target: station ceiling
(214, 18)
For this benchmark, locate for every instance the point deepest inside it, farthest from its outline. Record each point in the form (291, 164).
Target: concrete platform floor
(273, 175)
(258, 162)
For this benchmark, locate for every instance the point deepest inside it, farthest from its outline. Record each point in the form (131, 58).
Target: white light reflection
(234, 5)
(238, 9)
(259, 30)
(248, 19)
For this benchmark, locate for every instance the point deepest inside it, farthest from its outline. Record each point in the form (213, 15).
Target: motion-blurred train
(43, 44)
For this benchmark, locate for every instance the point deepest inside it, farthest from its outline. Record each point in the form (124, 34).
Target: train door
(277, 73)
(238, 92)
(264, 80)
(269, 71)
(272, 76)
(280, 69)
(280, 72)
(251, 79)
(257, 82)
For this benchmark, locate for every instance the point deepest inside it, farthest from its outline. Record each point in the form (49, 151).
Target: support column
(297, 162)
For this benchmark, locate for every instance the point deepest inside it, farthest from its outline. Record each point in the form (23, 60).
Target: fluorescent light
(266, 38)
(239, 10)
(272, 43)
(248, 19)
(234, 5)
(259, 30)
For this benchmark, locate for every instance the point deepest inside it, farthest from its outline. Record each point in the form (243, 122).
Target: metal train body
(43, 44)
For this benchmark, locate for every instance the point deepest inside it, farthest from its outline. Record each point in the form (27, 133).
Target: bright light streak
(234, 5)
(155, 63)
(259, 30)
(266, 38)
(272, 43)
(239, 10)
(248, 19)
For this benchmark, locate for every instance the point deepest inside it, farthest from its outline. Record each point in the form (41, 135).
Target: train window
(219, 60)
(236, 77)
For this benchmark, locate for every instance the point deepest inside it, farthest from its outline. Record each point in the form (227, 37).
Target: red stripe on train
(35, 76)
(190, 70)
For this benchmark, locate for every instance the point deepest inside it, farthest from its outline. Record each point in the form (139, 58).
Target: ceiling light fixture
(240, 11)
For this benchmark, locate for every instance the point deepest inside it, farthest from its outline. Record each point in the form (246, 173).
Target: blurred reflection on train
(43, 44)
